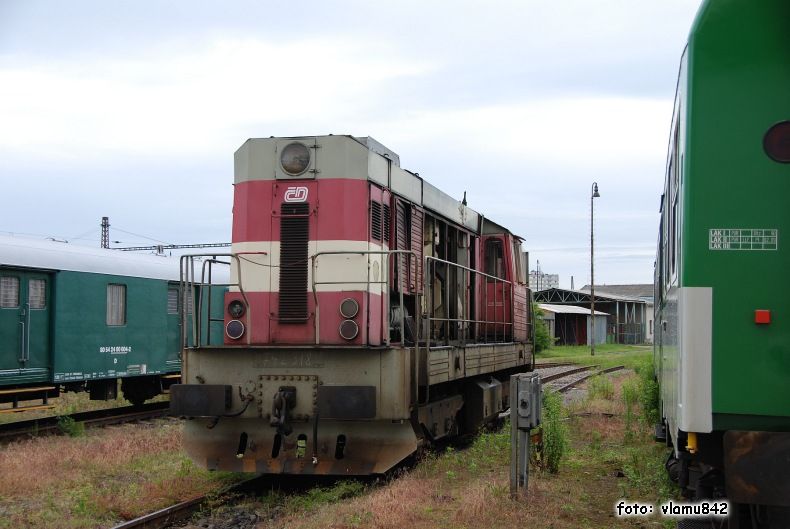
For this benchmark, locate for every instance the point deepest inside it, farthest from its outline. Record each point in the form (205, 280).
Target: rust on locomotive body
(367, 313)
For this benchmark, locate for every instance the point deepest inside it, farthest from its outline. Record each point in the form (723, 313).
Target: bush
(543, 339)
(554, 432)
(648, 393)
(70, 427)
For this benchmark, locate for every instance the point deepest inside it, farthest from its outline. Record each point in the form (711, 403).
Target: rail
(96, 418)
(188, 287)
(385, 275)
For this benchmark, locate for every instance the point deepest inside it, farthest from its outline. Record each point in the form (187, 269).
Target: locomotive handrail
(430, 267)
(186, 287)
(385, 281)
(430, 262)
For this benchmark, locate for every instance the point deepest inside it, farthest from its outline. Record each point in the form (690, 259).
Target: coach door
(24, 326)
(173, 329)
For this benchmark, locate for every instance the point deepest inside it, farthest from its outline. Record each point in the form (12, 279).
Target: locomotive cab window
(116, 305)
(9, 292)
(495, 259)
(518, 256)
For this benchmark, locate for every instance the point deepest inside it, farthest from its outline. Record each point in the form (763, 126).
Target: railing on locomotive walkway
(384, 281)
(193, 292)
(500, 323)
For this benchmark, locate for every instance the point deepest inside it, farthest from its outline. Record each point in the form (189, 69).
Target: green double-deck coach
(723, 265)
(80, 319)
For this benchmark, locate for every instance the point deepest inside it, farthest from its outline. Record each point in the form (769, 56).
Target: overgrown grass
(600, 387)
(648, 392)
(606, 355)
(468, 487)
(98, 478)
(319, 496)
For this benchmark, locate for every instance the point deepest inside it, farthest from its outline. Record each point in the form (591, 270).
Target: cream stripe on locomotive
(260, 262)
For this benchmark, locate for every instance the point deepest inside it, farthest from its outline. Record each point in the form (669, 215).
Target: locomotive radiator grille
(375, 221)
(294, 236)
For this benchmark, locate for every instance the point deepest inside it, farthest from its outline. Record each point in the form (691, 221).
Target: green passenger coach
(722, 349)
(79, 319)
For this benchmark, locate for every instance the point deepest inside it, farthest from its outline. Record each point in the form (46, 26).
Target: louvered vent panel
(402, 218)
(386, 224)
(294, 235)
(415, 274)
(375, 221)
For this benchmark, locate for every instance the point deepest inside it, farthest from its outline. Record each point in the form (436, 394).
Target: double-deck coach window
(116, 304)
(9, 292)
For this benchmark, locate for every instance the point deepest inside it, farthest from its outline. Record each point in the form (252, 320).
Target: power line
(161, 247)
(141, 236)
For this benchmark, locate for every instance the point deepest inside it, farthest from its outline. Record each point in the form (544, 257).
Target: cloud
(181, 102)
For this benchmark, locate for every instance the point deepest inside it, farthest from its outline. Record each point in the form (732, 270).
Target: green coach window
(37, 294)
(116, 304)
(9, 292)
(172, 301)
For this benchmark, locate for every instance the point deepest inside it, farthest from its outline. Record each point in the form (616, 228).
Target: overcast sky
(133, 109)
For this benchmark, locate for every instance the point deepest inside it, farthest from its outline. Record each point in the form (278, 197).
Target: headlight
(234, 329)
(295, 159)
(349, 308)
(349, 329)
(236, 309)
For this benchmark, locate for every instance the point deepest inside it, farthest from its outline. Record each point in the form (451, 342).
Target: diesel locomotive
(722, 352)
(81, 319)
(368, 313)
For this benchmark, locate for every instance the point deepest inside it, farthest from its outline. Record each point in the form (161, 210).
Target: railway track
(182, 511)
(586, 372)
(570, 385)
(91, 419)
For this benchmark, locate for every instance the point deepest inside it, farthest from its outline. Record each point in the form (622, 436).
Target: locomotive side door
(496, 293)
(25, 325)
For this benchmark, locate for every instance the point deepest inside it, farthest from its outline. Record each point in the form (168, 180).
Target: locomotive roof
(358, 157)
(49, 255)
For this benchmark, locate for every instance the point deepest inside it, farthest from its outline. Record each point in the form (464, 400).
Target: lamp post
(593, 194)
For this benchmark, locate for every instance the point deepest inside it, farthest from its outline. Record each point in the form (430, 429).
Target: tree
(543, 339)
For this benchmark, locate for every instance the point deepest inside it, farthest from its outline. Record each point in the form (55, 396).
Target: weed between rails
(600, 387)
(70, 427)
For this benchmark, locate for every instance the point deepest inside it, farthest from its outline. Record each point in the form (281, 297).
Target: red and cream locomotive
(368, 312)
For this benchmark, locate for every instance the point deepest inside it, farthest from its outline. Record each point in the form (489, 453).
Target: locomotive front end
(307, 380)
